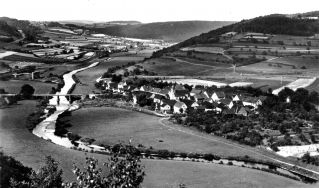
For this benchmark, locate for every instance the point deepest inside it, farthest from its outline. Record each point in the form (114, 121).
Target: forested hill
(170, 31)
(7, 30)
(272, 24)
(29, 30)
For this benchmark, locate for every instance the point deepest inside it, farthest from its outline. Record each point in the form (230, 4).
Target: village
(177, 99)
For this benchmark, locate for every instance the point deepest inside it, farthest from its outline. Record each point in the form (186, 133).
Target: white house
(179, 107)
(217, 96)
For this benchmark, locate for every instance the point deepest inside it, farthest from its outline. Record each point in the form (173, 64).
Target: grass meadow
(17, 141)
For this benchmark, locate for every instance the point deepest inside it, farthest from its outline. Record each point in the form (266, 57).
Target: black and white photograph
(159, 94)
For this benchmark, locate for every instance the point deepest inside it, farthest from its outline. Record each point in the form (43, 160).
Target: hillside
(306, 14)
(28, 29)
(7, 30)
(171, 31)
(272, 24)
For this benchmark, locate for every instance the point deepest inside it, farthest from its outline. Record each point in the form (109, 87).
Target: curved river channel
(46, 128)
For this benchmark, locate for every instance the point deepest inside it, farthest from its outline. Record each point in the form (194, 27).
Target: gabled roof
(157, 96)
(179, 87)
(165, 91)
(200, 96)
(220, 94)
(226, 101)
(207, 105)
(196, 91)
(242, 110)
(188, 103)
(169, 102)
(181, 93)
(209, 92)
(179, 104)
(229, 111)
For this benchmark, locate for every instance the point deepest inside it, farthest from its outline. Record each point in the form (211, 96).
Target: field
(87, 78)
(17, 141)
(314, 86)
(169, 67)
(299, 83)
(111, 125)
(14, 86)
(169, 174)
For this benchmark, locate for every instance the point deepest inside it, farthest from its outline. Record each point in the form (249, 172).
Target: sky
(150, 10)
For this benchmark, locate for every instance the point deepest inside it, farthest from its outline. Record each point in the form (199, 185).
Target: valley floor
(17, 141)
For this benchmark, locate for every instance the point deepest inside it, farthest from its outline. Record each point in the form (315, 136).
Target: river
(46, 128)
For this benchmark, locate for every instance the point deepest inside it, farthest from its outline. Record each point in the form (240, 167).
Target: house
(136, 94)
(227, 103)
(208, 106)
(190, 103)
(121, 86)
(181, 94)
(167, 105)
(180, 107)
(195, 92)
(165, 91)
(178, 91)
(242, 111)
(111, 86)
(200, 97)
(253, 101)
(209, 93)
(158, 98)
(218, 96)
(236, 97)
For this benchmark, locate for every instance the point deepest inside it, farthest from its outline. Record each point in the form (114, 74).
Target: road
(230, 144)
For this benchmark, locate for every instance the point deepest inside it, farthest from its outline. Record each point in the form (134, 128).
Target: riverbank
(46, 128)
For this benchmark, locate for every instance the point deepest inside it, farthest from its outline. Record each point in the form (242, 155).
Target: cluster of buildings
(177, 99)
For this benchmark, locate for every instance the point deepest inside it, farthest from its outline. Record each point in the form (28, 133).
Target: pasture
(314, 86)
(17, 141)
(181, 67)
(167, 174)
(109, 125)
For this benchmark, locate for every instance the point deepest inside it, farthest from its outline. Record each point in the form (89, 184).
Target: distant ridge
(272, 24)
(170, 31)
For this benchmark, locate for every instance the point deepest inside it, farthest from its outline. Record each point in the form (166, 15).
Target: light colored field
(204, 49)
(267, 83)
(17, 141)
(6, 53)
(14, 86)
(194, 82)
(62, 30)
(300, 83)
